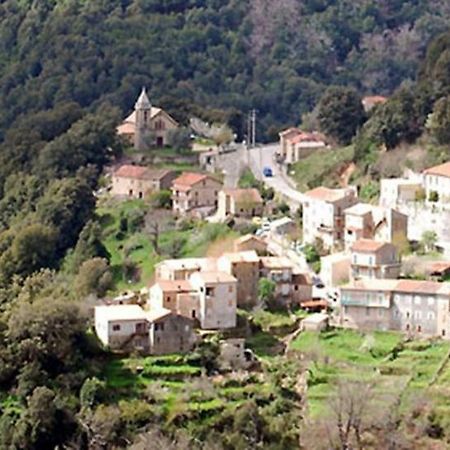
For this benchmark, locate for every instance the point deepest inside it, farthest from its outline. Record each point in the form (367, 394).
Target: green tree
(89, 245)
(340, 113)
(179, 138)
(266, 290)
(33, 248)
(92, 392)
(428, 240)
(94, 277)
(439, 121)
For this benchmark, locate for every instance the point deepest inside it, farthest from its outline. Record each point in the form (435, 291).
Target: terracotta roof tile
(419, 286)
(442, 170)
(367, 245)
(327, 194)
(140, 172)
(244, 195)
(189, 179)
(175, 285)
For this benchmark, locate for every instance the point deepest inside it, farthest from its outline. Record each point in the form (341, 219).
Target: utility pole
(253, 127)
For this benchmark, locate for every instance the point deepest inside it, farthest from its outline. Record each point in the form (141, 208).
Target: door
(159, 141)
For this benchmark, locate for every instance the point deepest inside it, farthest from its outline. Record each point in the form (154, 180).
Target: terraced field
(395, 368)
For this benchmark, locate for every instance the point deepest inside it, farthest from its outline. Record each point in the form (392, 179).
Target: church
(146, 126)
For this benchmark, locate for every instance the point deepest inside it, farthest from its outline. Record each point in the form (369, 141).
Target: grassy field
(134, 245)
(175, 387)
(379, 357)
(321, 168)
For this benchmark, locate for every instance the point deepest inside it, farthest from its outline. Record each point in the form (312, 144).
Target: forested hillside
(226, 55)
(69, 70)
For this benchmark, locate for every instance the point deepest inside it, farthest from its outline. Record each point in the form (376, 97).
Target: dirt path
(346, 174)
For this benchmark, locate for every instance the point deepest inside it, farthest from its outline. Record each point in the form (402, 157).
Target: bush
(433, 197)
(161, 199)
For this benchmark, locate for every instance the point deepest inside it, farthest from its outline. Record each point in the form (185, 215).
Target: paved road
(260, 157)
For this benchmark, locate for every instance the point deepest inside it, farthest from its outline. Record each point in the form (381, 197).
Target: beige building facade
(131, 328)
(239, 203)
(365, 221)
(191, 191)
(372, 259)
(138, 181)
(323, 214)
(244, 266)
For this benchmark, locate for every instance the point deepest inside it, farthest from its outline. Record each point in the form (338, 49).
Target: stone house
(278, 269)
(218, 299)
(373, 259)
(138, 181)
(250, 242)
(165, 294)
(323, 214)
(239, 203)
(131, 328)
(147, 125)
(183, 268)
(301, 287)
(365, 221)
(192, 191)
(437, 181)
(169, 333)
(296, 144)
(415, 307)
(244, 266)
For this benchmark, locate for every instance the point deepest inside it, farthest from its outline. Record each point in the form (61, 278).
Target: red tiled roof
(189, 179)
(367, 245)
(374, 99)
(418, 286)
(442, 170)
(129, 171)
(244, 195)
(290, 131)
(440, 266)
(326, 194)
(308, 137)
(175, 285)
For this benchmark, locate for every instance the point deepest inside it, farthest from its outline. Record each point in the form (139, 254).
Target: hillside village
(356, 242)
(225, 225)
(330, 261)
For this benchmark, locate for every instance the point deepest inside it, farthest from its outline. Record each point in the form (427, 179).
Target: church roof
(143, 102)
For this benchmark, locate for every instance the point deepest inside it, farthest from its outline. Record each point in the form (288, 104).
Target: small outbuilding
(315, 322)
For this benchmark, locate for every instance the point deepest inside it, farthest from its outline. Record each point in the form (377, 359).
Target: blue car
(267, 172)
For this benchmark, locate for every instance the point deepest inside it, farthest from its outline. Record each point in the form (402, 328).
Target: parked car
(265, 226)
(318, 283)
(267, 171)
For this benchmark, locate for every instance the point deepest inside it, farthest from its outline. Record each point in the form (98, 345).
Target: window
(418, 314)
(430, 315)
(193, 314)
(367, 311)
(419, 328)
(296, 287)
(407, 314)
(443, 332)
(355, 259)
(417, 300)
(209, 291)
(430, 301)
(230, 303)
(230, 288)
(116, 327)
(407, 327)
(371, 260)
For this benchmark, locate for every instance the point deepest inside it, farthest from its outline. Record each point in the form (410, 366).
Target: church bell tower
(142, 110)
